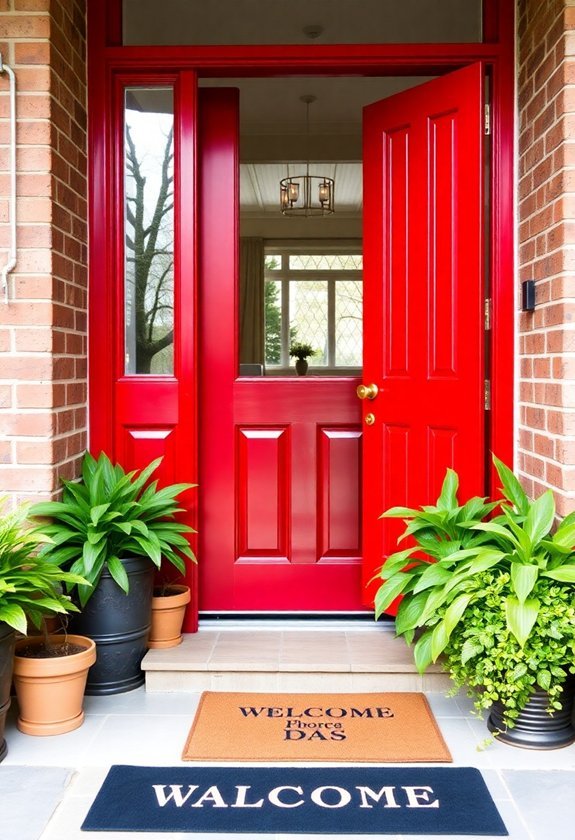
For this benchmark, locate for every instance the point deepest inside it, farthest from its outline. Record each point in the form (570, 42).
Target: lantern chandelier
(306, 195)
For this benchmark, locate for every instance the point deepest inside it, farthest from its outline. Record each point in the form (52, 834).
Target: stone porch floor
(312, 655)
(48, 784)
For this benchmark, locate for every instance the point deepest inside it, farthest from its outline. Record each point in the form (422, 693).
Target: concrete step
(304, 656)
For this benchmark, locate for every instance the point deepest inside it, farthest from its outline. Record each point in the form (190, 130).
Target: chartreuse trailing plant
(109, 515)
(30, 585)
(495, 596)
(486, 658)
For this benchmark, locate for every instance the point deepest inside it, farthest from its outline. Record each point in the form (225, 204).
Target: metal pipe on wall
(11, 263)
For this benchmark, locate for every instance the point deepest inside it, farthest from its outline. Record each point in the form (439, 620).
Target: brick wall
(43, 328)
(546, 457)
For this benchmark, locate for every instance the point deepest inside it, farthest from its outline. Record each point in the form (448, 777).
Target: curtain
(251, 300)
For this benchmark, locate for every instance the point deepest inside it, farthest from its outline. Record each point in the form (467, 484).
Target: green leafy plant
(486, 658)
(458, 558)
(110, 515)
(301, 351)
(30, 585)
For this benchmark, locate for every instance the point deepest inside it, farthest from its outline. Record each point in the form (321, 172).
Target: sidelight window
(149, 231)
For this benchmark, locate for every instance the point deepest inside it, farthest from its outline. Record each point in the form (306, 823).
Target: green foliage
(301, 351)
(110, 515)
(273, 323)
(485, 656)
(457, 551)
(30, 586)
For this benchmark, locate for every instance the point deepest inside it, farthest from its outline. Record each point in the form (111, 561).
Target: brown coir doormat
(394, 727)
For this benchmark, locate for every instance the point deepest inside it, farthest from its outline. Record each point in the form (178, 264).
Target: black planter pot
(7, 642)
(119, 624)
(535, 728)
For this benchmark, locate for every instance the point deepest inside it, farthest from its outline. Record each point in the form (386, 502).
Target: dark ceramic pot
(535, 728)
(301, 367)
(119, 624)
(7, 642)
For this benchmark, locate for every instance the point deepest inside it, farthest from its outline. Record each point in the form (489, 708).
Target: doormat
(394, 727)
(288, 800)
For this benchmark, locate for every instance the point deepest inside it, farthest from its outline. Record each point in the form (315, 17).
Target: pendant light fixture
(307, 195)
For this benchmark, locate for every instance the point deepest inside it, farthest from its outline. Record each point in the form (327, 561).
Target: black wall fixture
(528, 295)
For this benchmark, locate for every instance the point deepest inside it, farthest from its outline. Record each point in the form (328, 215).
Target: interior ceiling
(274, 135)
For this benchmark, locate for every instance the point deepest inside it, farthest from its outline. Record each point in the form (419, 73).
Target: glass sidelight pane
(149, 231)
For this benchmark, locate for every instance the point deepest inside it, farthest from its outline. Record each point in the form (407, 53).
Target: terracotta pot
(168, 616)
(50, 691)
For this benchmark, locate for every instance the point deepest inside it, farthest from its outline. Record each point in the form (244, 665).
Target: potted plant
(301, 353)
(30, 589)
(115, 528)
(169, 604)
(495, 598)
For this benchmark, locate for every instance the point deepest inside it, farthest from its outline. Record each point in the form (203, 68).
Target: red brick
(34, 340)
(561, 422)
(24, 26)
(32, 5)
(543, 445)
(27, 425)
(40, 396)
(32, 52)
(27, 479)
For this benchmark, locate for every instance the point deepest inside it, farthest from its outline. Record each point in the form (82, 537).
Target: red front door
(279, 457)
(423, 299)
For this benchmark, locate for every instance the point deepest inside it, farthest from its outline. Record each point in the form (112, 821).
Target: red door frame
(108, 61)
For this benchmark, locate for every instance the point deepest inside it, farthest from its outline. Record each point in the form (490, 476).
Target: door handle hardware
(370, 419)
(367, 392)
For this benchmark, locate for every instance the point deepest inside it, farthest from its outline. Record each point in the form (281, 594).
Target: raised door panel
(262, 494)
(339, 493)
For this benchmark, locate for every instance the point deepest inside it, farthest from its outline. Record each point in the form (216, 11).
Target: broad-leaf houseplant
(30, 590)
(495, 598)
(116, 528)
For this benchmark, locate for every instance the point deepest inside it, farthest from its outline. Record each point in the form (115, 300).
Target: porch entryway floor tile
(289, 656)
(532, 789)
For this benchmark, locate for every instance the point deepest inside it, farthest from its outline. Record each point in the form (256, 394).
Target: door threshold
(291, 621)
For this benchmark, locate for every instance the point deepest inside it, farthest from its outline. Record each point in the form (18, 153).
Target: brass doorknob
(367, 392)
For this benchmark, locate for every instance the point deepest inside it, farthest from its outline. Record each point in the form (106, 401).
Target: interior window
(313, 299)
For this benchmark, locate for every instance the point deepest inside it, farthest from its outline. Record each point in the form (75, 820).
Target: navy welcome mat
(311, 800)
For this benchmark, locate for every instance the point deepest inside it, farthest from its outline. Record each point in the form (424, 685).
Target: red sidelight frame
(109, 63)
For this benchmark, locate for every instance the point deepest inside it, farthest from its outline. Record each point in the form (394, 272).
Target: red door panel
(423, 299)
(279, 457)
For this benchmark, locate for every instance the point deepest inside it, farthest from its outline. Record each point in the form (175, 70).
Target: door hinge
(487, 118)
(487, 313)
(487, 394)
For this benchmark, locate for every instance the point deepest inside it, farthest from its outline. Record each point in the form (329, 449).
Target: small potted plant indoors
(30, 590)
(495, 599)
(301, 352)
(115, 528)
